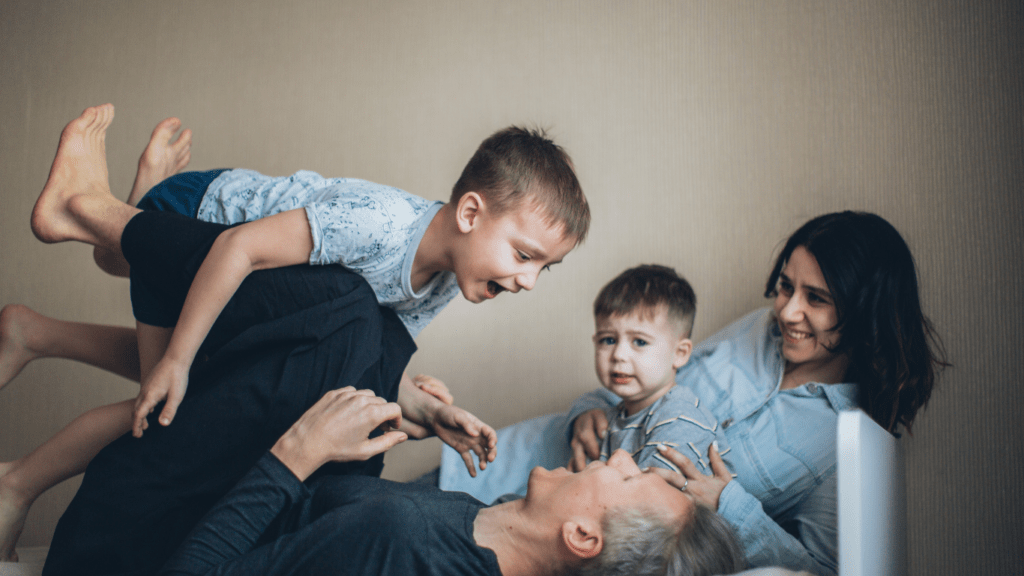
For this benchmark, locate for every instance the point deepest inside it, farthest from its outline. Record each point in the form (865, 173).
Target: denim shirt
(783, 502)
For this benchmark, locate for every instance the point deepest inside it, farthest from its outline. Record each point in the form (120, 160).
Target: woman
(846, 330)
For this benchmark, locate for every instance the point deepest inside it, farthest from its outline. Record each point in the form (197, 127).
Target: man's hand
(337, 428)
(465, 433)
(167, 381)
(587, 433)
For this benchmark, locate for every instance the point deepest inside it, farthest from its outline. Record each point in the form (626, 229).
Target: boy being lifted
(516, 209)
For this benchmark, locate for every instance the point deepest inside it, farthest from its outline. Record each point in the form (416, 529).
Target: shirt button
(726, 423)
(812, 388)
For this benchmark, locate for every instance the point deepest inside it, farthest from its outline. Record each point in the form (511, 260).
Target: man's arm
(276, 241)
(336, 428)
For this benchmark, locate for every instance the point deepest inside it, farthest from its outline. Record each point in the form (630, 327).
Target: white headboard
(872, 499)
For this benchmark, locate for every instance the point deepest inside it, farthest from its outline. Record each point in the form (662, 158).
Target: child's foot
(13, 511)
(80, 167)
(162, 158)
(15, 353)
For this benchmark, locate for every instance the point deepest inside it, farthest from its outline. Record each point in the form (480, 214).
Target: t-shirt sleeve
(349, 229)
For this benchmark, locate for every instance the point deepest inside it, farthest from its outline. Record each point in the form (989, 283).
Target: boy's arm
(280, 240)
(454, 426)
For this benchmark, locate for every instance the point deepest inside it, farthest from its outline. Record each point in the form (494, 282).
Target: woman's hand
(587, 433)
(705, 489)
(167, 381)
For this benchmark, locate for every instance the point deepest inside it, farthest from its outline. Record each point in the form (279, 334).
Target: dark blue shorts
(181, 193)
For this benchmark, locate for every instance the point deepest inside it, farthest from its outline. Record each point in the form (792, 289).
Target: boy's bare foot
(162, 157)
(15, 353)
(80, 167)
(13, 511)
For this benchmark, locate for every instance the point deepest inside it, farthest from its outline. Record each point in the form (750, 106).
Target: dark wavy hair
(894, 352)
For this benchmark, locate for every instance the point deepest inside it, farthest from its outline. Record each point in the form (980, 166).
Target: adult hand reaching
(337, 429)
(587, 433)
(705, 489)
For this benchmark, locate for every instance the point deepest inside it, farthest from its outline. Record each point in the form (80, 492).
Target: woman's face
(806, 313)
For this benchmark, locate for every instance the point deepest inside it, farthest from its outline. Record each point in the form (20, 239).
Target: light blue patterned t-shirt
(371, 229)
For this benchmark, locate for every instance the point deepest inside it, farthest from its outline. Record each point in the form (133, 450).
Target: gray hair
(641, 542)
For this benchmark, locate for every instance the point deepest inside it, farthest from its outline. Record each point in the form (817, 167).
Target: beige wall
(703, 132)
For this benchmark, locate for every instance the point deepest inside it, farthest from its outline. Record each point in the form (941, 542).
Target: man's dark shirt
(271, 524)
(286, 338)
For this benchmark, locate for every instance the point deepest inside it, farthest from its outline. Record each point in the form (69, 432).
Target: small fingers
(600, 424)
(579, 458)
(170, 408)
(143, 408)
(468, 459)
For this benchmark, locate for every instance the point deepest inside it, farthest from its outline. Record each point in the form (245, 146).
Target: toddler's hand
(168, 381)
(587, 432)
(465, 433)
(434, 387)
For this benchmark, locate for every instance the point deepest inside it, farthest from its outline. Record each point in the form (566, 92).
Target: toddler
(643, 320)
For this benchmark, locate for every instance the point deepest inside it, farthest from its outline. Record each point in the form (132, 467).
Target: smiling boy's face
(636, 355)
(506, 252)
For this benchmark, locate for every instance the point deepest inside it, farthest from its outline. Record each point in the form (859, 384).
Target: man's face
(603, 486)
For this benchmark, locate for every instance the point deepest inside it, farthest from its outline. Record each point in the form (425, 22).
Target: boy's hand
(337, 428)
(465, 433)
(587, 432)
(434, 387)
(168, 381)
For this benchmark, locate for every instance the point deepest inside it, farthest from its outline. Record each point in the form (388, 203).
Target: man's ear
(683, 349)
(583, 539)
(468, 210)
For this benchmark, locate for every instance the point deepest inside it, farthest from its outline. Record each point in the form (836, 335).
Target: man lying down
(299, 376)
(608, 519)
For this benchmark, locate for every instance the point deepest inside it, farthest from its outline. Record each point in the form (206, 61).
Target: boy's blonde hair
(516, 164)
(647, 287)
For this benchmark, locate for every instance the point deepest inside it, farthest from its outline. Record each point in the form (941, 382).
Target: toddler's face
(636, 356)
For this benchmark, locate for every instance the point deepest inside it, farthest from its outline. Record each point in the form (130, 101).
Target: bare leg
(26, 335)
(163, 157)
(69, 452)
(76, 203)
(59, 458)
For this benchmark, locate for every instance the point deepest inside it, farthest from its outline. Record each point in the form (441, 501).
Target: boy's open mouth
(493, 289)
